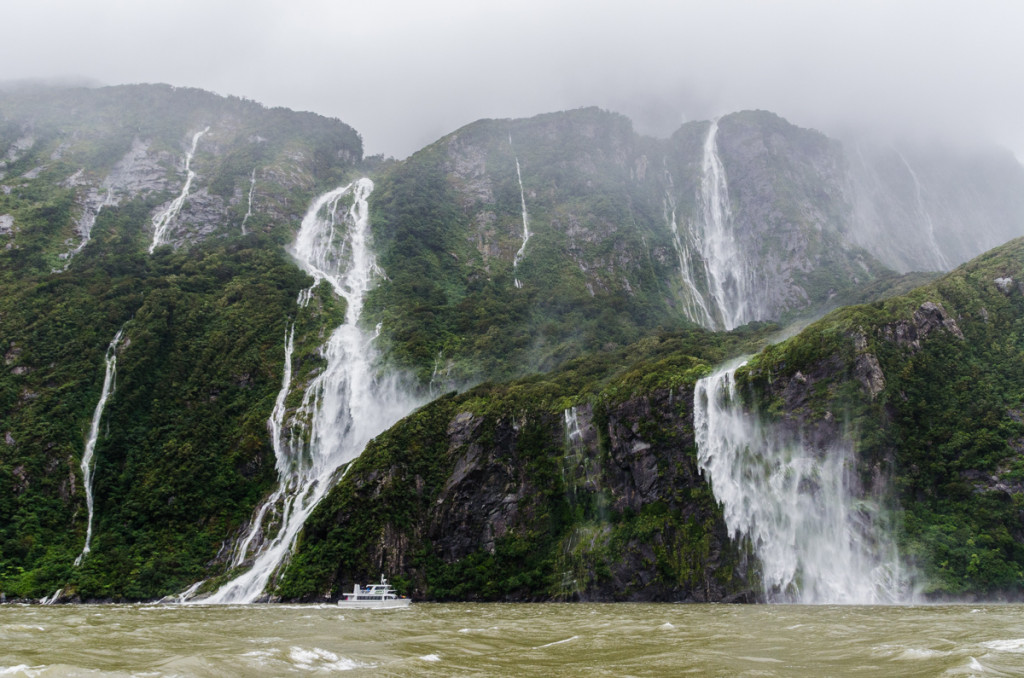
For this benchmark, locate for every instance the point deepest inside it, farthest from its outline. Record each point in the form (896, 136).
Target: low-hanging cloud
(404, 73)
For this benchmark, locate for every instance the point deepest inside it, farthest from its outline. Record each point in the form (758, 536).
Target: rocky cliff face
(602, 501)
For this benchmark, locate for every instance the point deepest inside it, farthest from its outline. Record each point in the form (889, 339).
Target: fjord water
(561, 639)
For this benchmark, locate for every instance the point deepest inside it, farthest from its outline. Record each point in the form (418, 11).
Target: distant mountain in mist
(748, 218)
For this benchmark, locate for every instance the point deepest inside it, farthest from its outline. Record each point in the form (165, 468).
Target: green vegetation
(183, 454)
(948, 425)
(413, 502)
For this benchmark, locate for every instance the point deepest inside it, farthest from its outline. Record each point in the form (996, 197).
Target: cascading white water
(730, 285)
(816, 541)
(694, 305)
(162, 221)
(248, 211)
(51, 599)
(342, 408)
(94, 204)
(941, 263)
(94, 434)
(526, 222)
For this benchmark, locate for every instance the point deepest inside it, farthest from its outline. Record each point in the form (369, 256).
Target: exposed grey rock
(928, 318)
(1005, 285)
(868, 372)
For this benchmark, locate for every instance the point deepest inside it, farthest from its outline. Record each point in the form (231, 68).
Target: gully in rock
(162, 221)
(694, 305)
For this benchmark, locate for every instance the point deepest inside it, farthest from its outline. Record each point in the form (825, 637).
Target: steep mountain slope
(585, 483)
(69, 157)
(929, 209)
(929, 387)
(182, 454)
(513, 244)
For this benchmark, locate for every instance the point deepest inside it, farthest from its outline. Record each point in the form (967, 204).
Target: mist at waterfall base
(342, 407)
(816, 539)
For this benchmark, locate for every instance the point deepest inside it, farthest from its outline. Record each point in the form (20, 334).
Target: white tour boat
(374, 596)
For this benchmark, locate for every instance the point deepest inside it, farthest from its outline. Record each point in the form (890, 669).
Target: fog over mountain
(405, 73)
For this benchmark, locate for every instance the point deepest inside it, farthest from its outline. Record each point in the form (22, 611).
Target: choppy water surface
(513, 640)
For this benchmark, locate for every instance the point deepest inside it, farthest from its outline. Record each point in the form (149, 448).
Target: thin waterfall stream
(343, 406)
(94, 433)
(526, 222)
(162, 221)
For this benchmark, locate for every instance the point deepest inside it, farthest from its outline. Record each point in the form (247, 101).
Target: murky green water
(513, 640)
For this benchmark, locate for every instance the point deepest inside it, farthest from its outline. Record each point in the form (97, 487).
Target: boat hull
(394, 603)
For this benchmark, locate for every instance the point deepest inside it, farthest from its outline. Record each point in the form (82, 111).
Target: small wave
(557, 642)
(431, 658)
(975, 665)
(261, 655)
(21, 670)
(914, 654)
(667, 626)
(761, 660)
(1013, 645)
(319, 659)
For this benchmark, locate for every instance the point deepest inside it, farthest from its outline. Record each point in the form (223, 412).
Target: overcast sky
(405, 72)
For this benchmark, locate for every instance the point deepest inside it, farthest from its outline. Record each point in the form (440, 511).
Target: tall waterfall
(248, 211)
(94, 434)
(162, 221)
(730, 284)
(342, 408)
(817, 542)
(526, 222)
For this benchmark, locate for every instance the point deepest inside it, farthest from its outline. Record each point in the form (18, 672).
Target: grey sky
(403, 72)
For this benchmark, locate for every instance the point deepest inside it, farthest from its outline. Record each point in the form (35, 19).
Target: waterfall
(94, 434)
(248, 211)
(694, 306)
(730, 284)
(526, 223)
(342, 407)
(91, 209)
(50, 600)
(941, 262)
(162, 221)
(816, 540)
